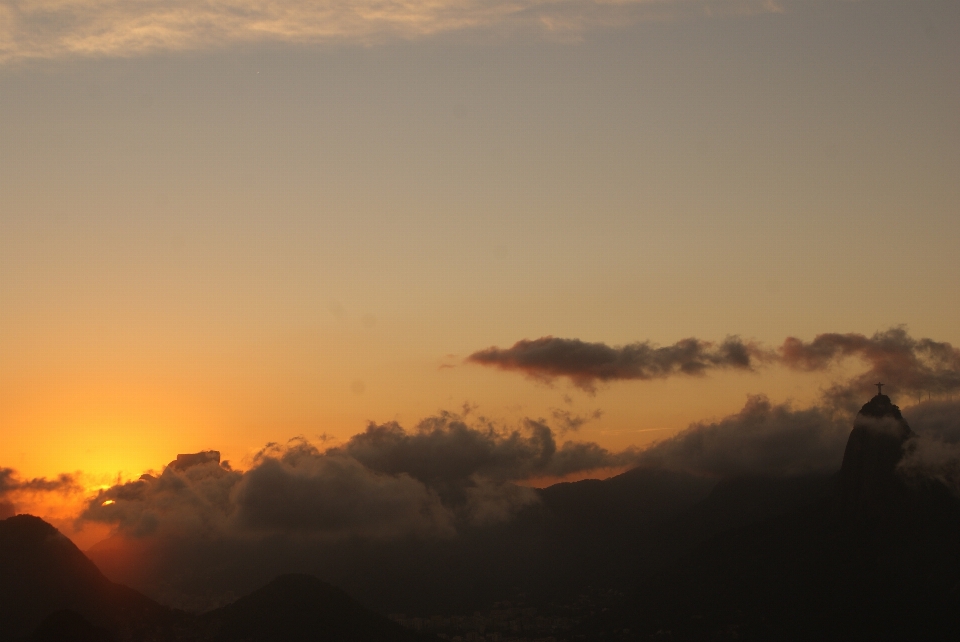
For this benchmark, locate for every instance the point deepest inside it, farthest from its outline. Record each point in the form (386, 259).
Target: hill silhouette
(585, 533)
(51, 592)
(593, 526)
(292, 608)
(865, 553)
(42, 572)
(875, 558)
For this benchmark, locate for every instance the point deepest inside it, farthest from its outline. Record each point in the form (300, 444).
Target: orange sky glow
(215, 243)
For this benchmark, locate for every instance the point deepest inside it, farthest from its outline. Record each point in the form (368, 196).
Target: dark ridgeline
(877, 558)
(51, 592)
(864, 554)
(42, 572)
(580, 533)
(299, 607)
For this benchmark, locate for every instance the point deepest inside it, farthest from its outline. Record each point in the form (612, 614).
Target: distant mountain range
(51, 592)
(859, 555)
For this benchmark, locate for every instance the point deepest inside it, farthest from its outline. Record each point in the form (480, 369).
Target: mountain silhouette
(586, 533)
(51, 592)
(863, 554)
(869, 485)
(598, 529)
(42, 572)
(873, 558)
(292, 608)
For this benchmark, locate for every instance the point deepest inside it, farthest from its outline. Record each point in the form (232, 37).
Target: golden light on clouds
(59, 28)
(270, 238)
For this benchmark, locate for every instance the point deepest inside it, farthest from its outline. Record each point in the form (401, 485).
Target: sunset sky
(235, 225)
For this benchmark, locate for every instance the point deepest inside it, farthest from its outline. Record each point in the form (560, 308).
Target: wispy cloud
(13, 488)
(60, 28)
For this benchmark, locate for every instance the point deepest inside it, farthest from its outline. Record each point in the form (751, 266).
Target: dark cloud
(395, 498)
(932, 459)
(292, 489)
(586, 364)
(185, 498)
(778, 440)
(762, 439)
(12, 487)
(390, 495)
(448, 472)
(906, 365)
(568, 421)
(302, 490)
(445, 450)
(10, 482)
(384, 482)
(935, 452)
(193, 533)
(466, 463)
(938, 419)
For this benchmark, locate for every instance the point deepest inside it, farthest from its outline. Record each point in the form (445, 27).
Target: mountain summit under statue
(868, 475)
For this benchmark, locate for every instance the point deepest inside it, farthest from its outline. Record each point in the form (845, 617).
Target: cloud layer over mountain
(936, 453)
(385, 482)
(762, 439)
(445, 475)
(451, 472)
(453, 476)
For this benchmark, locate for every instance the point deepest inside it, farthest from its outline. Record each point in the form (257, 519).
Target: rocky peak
(881, 407)
(183, 462)
(874, 448)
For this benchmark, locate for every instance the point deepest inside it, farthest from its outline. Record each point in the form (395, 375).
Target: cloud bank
(905, 364)
(386, 482)
(392, 495)
(936, 452)
(57, 28)
(396, 498)
(762, 439)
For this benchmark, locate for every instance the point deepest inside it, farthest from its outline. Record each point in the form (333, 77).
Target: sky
(229, 226)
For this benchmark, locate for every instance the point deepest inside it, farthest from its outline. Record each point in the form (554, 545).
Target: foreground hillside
(865, 554)
(51, 592)
(42, 572)
(876, 558)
